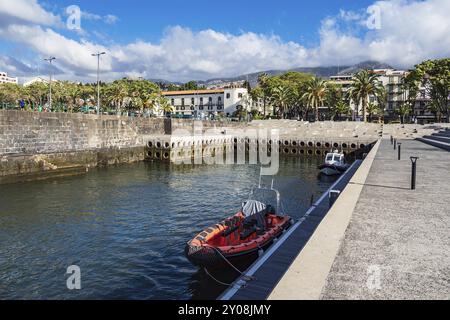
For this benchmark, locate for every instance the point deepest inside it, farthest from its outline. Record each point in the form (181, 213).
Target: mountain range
(322, 72)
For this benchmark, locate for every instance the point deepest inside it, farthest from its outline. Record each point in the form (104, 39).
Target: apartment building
(209, 102)
(393, 81)
(4, 78)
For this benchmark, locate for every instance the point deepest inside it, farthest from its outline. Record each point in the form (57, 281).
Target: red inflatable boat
(251, 229)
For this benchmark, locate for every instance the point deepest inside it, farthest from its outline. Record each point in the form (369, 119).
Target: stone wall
(35, 145)
(191, 125)
(39, 133)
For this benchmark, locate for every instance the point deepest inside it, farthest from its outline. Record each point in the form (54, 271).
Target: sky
(202, 39)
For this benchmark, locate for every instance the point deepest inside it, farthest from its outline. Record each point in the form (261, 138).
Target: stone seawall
(40, 133)
(40, 145)
(36, 145)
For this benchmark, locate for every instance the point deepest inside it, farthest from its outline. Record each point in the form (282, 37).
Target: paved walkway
(397, 245)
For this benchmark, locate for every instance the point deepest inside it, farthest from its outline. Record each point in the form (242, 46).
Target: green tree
(403, 110)
(191, 85)
(263, 80)
(164, 105)
(341, 108)
(334, 95)
(314, 95)
(365, 83)
(373, 109)
(10, 93)
(281, 96)
(434, 76)
(37, 93)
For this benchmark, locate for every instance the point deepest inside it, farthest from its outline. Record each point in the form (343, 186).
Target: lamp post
(98, 54)
(50, 60)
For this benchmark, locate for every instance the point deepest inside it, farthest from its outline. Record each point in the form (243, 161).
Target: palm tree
(434, 107)
(372, 109)
(36, 93)
(10, 93)
(164, 105)
(315, 94)
(151, 101)
(341, 108)
(281, 97)
(365, 83)
(263, 80)
(118, 94)
(403, 111)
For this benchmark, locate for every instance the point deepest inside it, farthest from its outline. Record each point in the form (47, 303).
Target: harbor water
(126, 227)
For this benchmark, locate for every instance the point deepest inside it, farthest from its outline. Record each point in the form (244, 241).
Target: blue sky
(292, 20)
(201, 39)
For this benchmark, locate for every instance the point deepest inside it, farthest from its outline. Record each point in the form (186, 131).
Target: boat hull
(207, 255)
(332, 170)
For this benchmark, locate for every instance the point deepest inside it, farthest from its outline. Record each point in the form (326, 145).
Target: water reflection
(126, 227)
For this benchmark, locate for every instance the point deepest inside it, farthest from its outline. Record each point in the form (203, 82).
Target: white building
(392, 81)
(5, 79)
(36, 80)
(209, 102)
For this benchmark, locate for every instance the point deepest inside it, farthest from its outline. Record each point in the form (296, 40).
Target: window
(210, 99)
(183, 108)
(172, 102)
(201, 100)
(240, 95)
(182, 101)
(228, 96)
(200, 108)
(210, 107)
(219, 108)
(192, 108)
(192, 101)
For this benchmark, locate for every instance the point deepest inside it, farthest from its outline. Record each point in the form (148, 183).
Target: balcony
(201, 107)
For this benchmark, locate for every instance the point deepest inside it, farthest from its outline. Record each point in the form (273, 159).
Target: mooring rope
(226, 260)
(215, 279)
(246, 278)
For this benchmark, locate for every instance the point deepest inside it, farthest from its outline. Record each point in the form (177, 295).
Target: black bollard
(312, 200)
(399, 151)
(395, 144)
(392, 140)
(413, 174)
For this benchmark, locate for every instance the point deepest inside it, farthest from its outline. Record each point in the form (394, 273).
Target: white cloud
(411, 31)
(109, 18)
(26, 11)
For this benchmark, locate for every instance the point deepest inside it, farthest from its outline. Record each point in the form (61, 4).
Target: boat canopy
(255, 210)
(269, 197)
(253, 207)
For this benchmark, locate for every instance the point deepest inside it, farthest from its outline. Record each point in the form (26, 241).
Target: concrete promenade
(397, 243)
(398, 235)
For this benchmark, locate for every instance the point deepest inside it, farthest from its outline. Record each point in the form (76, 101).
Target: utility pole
(50, 60)
(98, 54)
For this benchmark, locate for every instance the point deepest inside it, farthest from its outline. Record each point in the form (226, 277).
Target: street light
(98, 54)
(50, 60)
